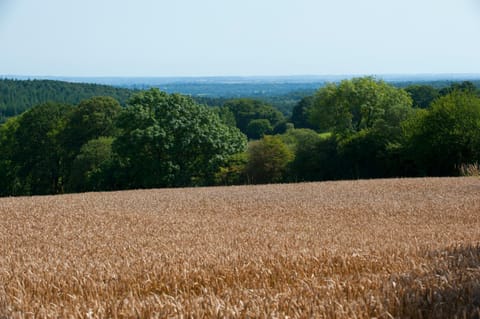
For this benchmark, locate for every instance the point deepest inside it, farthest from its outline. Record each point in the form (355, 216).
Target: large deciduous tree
(422, 95)
(300, 113)
(446, 136)
(365, 116)
(90, 166)
(91, 119)
(169, 140)
(38, 152)
(360, 103)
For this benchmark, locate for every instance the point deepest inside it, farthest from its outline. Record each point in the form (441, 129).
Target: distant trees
(465, 86)
(300, 113)
(422, 95)
(248, 110)
(258, 128)
(365, 129)
(17, 96)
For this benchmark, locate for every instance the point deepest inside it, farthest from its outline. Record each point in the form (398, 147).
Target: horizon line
(241, 76)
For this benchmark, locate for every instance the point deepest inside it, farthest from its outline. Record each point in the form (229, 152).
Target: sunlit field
(406, 248)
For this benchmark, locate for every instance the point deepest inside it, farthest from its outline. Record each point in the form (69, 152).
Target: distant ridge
(20, 92)
(126, 81)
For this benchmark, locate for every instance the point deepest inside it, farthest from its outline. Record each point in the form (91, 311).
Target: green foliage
(246, 110)
(300, 113)
(365, 154)
(268, 160)
(233, 171)
(169, 140)
(9, 184)
(87, 168)
(91, 119)
(226, 116)
(38, 151)
(317, 160)
(298, 137)
(160, 140)
(17, 96)
(422, 95)
(446, 136)
(258, 128)
(282, 127)
(357, 104)
(465, 86)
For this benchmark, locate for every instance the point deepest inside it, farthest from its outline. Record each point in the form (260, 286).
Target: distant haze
(149, 38)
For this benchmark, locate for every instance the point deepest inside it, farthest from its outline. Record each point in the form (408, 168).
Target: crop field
(405, 248)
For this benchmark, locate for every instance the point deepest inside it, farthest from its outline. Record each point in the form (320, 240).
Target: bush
(268, 160)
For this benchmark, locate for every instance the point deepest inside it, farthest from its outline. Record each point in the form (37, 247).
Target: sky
(238, 37)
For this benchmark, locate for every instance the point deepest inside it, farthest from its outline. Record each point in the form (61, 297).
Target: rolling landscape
(239, 159)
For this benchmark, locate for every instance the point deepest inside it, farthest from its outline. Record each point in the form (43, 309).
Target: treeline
(17, 96)
(158, 140)
(363, 128)
(359, 128)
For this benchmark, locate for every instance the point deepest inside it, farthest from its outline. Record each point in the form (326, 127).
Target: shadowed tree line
(359, 128)
(158, 140)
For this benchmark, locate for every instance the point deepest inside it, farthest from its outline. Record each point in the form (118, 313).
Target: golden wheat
(405, 248)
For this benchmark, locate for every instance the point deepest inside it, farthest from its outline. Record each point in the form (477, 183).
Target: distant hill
(283, 92)
(17, 96)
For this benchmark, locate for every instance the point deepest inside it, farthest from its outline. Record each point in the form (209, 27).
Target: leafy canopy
(358, 104)
(169, 140)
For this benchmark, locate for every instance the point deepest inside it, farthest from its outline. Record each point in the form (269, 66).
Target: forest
(95, 137)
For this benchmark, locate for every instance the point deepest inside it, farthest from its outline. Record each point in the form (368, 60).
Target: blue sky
(238, 37)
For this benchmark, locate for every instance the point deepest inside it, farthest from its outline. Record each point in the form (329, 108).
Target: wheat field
(405, 248)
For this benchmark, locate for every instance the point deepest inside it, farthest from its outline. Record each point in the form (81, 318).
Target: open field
(407, 248)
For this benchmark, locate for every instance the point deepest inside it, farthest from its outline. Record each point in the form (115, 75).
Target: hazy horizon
(214, 38)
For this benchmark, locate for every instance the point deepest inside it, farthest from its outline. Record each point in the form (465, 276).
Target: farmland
(407, 248)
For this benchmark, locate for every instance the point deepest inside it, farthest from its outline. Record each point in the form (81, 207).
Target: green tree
(9, 184)
(258, 128)
(226, 116)
(268, 160)
(169, 140)
(422, 95)
(317, 160)
(88, 164)
(465, 86)
(365, 116)
(297, 137)
(282, 127)
(91, 119)
(300, 113)
(246, 110)
(233, 171)
(447, 135)
(358, 104)
(38, 151)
